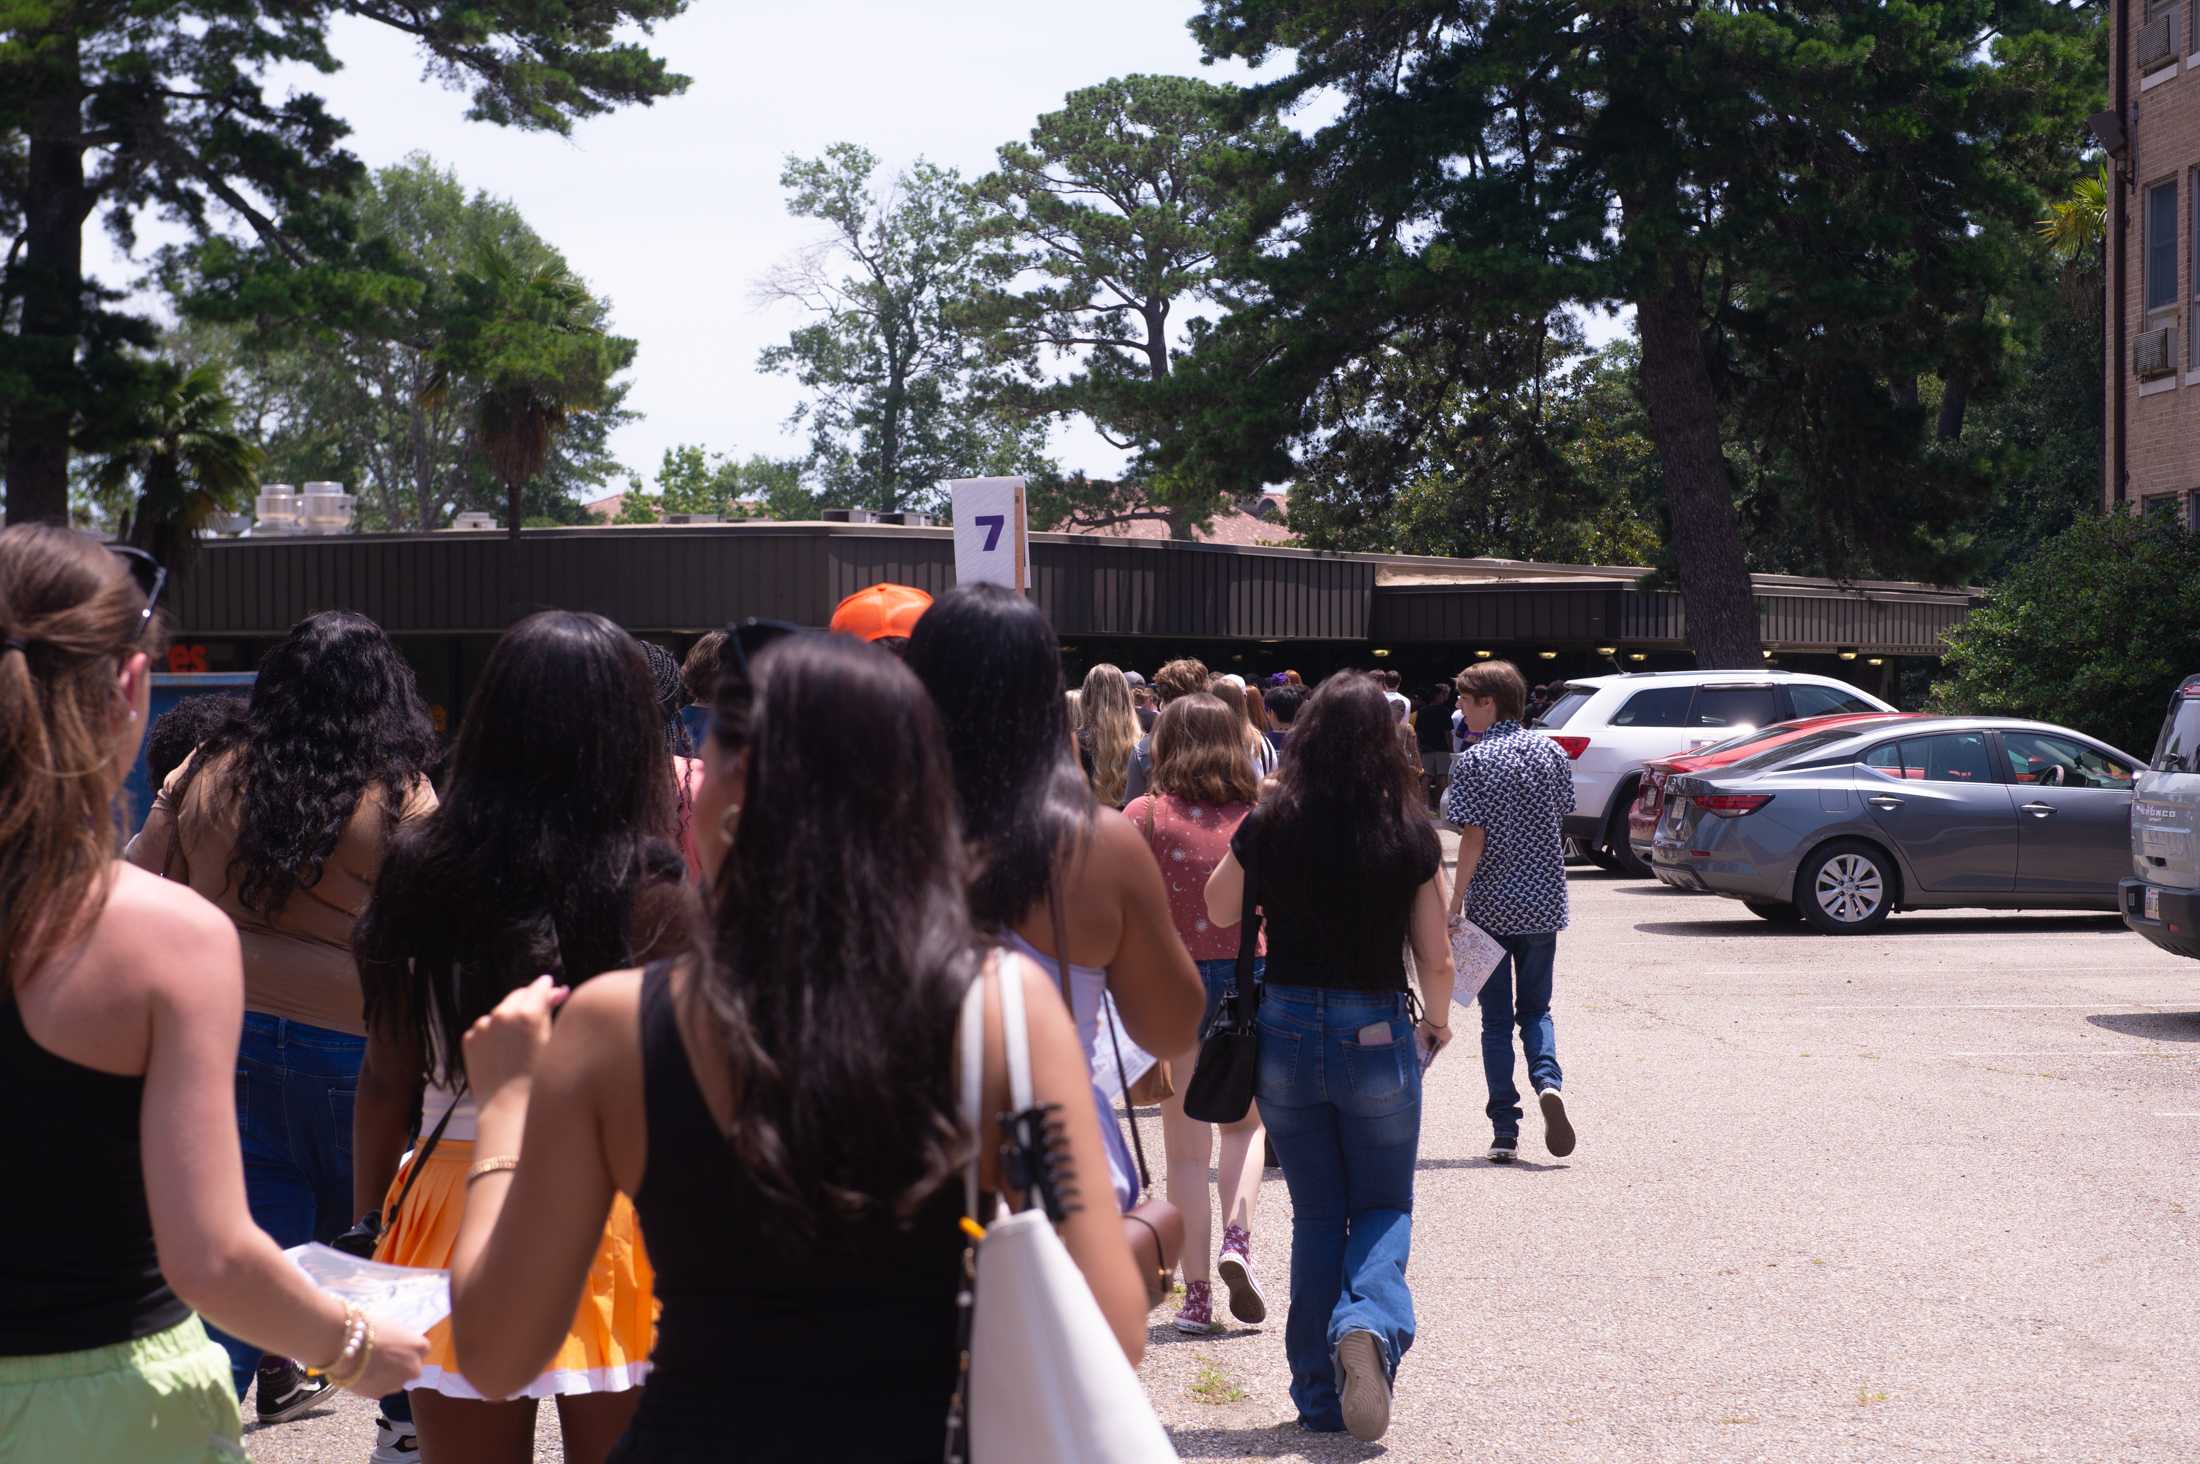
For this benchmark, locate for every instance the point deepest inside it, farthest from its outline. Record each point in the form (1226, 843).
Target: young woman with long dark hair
(1202, 789)
(1065, 881)
(282, 820)
(1346, 870)
(783, 1108)
(551, 853)
(121, 997)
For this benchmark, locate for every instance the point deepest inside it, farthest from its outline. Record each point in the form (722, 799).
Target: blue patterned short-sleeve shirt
(1517, 788)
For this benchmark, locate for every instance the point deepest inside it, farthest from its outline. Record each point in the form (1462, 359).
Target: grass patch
(1213, 1385)
(1865, 1397)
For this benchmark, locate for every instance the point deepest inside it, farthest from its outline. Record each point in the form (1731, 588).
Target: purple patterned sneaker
(1235, 1267)
(1197, 1315)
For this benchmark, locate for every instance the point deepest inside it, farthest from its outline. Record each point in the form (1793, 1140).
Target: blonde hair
(73, 609)
(1076, 700)
(1113, 725)
(1199, 752)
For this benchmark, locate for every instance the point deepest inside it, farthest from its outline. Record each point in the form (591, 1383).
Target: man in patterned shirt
(1509, 793)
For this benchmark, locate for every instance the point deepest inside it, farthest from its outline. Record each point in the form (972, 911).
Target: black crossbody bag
(1221, 1089)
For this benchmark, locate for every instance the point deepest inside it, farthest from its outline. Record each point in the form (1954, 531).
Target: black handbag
(363, 1239)
(1221, 1089)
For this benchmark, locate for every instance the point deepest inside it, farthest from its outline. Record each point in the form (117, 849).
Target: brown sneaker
(1558, 1130)
(1363, 1391)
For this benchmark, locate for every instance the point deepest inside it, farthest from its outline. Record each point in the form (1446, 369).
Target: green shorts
(163, 1399)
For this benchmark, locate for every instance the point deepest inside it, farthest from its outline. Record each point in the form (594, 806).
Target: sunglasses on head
(745, 641)
(146, 573)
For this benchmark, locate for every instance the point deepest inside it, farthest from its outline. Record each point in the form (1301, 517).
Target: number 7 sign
(991, 536)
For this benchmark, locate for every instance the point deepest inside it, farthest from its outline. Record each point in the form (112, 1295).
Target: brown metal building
(446, 596)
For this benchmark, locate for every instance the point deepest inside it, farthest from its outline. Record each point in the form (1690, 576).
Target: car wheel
(1846, 888)
(1597, 855)
(1624, 858)
(1779, 912)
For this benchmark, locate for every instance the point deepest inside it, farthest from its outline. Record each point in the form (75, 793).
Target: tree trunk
(50, 281)
(1954, 398)
(1716, 594)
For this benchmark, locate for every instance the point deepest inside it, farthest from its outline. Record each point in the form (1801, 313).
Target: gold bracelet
(496, 1165)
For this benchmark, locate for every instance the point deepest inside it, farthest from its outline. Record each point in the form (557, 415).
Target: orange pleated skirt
(607, 1350)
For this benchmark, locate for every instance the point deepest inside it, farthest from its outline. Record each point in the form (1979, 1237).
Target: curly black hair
(335, 716)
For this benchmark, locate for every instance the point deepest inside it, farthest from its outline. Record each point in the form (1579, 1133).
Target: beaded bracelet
(497, 1165)
(355, 1333)
(344, 1378)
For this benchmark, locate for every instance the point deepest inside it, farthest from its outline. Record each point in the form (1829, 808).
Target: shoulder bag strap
(421, 1156)
(972, 1046)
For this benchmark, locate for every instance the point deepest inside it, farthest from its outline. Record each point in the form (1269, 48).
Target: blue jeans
(1219, 977)
(295, 1089)
(1519, 993)
(1345, 1117)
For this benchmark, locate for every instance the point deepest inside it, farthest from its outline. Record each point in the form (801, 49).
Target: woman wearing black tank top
(121, 1001)
(782, 1110)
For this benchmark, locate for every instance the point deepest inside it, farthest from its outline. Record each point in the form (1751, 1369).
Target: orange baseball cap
(881, 612)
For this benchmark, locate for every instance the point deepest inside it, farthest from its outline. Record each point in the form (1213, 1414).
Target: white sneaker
(394, 1443)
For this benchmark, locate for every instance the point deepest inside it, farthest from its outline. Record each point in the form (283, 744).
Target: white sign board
(991, 541)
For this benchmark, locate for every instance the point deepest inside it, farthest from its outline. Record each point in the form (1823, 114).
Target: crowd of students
(314, 1000)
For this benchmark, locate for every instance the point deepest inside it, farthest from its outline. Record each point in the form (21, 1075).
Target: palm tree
(2076, 227)
(528, 340)
(176, 464)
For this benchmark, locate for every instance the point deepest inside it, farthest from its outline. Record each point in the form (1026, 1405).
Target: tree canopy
(1809, 207)
(115, 109)
(901, 394)
(1115, 215)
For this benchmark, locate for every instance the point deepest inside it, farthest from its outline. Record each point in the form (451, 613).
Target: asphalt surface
(1926, 1194)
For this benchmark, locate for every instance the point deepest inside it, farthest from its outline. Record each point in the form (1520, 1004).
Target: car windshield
(1787, 750)
(1744, 740)
(1569, 702)
(2178, 751)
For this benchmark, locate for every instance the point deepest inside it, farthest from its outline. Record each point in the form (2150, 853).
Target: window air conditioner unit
(2158, 41)
(2154, 353)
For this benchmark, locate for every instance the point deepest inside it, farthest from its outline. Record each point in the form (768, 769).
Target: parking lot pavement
(1926, 1194)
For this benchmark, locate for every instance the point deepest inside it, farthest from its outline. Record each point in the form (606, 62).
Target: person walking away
(1432, 739)
(1203, 788)
(885, 615)
(1058, 878)
(499, 885)
(1254, 747)
(698, 673)
(1177, 678)
(1109, 733)
(1347, 870)
(1283, 704)
(668, 695)
(1510, 793)
(282, 820)
(1141, 701)
(783, 1108)
(121, 998)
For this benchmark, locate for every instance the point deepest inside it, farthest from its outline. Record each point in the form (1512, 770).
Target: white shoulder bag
(1044, 1378)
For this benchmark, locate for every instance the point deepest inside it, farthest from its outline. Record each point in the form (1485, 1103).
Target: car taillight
(1573, 747)
(1732, 805)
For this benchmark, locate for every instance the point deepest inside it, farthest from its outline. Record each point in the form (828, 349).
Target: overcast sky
(674, 210)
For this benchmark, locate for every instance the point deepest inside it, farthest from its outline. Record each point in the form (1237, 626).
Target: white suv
(1611, 725)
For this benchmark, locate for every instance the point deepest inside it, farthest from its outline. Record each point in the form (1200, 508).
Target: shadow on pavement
(1654, 887)
(1477, 1162)
(1983, 924)
(2156, 1026)
(1276, 1441)
(1165, 1334)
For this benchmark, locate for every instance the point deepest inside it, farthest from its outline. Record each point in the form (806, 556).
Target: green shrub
(2093, 630)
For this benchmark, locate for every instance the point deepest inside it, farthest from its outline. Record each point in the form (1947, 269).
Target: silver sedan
(1847, 826)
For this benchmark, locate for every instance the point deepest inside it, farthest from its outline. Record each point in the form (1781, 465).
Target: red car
(1649, 805)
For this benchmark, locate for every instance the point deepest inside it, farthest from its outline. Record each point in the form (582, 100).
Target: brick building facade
(2153, 356)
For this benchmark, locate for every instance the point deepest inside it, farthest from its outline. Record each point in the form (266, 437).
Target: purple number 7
(993, 523)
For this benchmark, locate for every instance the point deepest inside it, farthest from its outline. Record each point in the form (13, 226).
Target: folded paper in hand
(407, 1296)
(1474, 955)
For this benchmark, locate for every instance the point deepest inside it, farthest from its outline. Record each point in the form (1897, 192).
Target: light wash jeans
(1345, 1117)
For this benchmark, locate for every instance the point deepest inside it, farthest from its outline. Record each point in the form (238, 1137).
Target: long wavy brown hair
(76, 611)
(1199, 752)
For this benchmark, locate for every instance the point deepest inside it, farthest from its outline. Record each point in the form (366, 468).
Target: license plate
(1675, 810)
(2154, 903)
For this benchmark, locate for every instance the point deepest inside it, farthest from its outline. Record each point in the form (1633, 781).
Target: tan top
(297, 962)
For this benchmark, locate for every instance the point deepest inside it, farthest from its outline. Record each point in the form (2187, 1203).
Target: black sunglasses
(150, 578)
(746, 639)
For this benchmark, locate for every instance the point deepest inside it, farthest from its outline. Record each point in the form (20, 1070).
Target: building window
(2159, 506)
(2161, 246)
